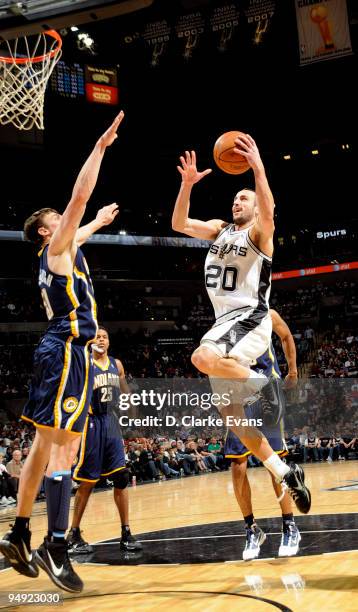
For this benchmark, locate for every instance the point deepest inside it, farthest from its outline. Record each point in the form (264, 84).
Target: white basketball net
(25, 68)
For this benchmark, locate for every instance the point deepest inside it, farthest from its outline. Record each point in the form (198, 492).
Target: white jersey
(237, 274)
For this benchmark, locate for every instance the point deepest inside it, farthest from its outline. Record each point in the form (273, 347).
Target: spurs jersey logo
(226, 249)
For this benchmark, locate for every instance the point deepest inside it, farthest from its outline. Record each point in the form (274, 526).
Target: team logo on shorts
(232, 336)
(70, 404)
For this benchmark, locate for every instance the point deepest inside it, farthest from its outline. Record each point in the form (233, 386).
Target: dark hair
(103, 329)
(34, 222)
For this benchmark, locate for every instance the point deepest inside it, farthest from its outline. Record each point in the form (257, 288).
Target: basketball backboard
(32, 16)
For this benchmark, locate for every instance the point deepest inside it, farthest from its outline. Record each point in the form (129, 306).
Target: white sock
(276, 466)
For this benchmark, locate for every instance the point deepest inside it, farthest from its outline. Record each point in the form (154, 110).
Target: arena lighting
(123, 232)
(345, 146)
(85, 42)
(74, 29)
(287, 157)
(315, 152)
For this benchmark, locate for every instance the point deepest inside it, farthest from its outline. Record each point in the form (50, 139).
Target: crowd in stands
(337, 356)
(160, 457)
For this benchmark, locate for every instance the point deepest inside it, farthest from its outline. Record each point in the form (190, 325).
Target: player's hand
(107, 214)
(291, 380)
(110, 135)
(246, 146)
(188, 170)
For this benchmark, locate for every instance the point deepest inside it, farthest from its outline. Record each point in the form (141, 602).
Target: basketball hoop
(25, 68)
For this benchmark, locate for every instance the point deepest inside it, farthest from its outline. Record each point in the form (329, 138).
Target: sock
(58, 488)
(75, 530)
(287, 518)
(125, 531)
(276, 466)
(22, 523)
(249, 521)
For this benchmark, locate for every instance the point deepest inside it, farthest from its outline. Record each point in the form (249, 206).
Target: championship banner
(188, 29)
(259, 14)
(157, 37)
(323, 30)
(224, 21)
(101, 84)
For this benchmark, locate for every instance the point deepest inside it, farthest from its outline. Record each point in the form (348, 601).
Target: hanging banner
(259, 14)
(101, 84)
(189, 29)
(157, 37)
(323, 30)
(224, 21)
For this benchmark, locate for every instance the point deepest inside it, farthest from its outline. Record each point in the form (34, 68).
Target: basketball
(224, 156)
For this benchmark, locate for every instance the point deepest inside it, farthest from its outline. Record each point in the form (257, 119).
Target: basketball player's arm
(65, 233)
(280, 327)
(105, 216)
(124, 387)
(181, 222)
(263, 230)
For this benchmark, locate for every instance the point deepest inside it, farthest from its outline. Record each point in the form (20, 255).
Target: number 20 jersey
(237, 274)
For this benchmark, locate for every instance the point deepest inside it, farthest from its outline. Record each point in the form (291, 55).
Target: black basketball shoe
(294, 480)
(129, 543)
(53, 558)
(16, 548)
(272, 402)
(76, 545)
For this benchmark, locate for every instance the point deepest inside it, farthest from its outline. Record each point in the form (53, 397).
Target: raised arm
(105, 216)
(280, 327)
(263, 230)
(85, 183)
(206, 230)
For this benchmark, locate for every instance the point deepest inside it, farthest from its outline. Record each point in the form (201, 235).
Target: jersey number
(228, 279)
(106, 394)
(46, 303)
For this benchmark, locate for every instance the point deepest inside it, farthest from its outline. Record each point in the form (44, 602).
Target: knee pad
(121, 479)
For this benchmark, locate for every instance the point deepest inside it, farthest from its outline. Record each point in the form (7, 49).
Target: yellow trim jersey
(69, 300)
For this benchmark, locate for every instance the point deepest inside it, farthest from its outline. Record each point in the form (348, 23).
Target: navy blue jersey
(106, 388)
(69, 300)
(267, 363)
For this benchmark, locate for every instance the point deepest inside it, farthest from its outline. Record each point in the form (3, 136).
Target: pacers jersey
(106, 388)
(69, 300)
(237, 274)
(267, 364)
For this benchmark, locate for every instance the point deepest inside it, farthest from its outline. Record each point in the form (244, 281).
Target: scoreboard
(97, 84)
(68, 80)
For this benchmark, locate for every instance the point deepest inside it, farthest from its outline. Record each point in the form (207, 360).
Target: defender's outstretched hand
(107, 214)
(188, 170)
(110, 135)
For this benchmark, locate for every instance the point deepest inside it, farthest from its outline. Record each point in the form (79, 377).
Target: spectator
(310, 448)
(14, 468)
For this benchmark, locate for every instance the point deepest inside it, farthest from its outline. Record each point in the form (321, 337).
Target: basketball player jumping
(62, 384)
(238, 280)
(238, 453)
(102, 450)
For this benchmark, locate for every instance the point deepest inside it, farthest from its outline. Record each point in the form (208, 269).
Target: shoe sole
(10, 552)
(262, 539)
(132, 548)
(302, 475)
(75, 551)
(41, 563)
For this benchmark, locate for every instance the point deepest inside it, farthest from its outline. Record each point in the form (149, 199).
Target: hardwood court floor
(206, 505)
